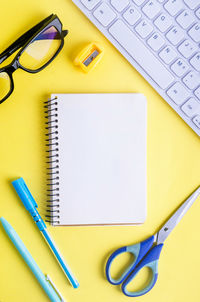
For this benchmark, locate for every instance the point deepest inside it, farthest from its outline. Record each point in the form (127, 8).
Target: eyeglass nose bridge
(12, 67)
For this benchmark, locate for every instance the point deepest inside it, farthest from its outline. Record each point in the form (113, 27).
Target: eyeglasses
(39, 46)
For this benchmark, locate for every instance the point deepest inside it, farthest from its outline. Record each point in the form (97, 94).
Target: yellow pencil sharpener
(89, 57)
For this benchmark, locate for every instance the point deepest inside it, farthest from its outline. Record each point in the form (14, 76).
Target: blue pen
(31, 206)
(44, 281)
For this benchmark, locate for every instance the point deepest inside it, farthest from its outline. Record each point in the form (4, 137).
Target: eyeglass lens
(41, 50)
(5, 84)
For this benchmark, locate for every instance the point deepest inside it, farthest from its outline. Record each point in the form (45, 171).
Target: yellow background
(173, 172)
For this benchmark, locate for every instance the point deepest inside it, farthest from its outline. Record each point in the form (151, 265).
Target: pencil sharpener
(89, 57)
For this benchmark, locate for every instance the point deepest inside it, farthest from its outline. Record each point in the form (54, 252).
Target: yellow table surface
(173, 172)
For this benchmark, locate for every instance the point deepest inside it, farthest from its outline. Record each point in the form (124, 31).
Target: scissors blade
(164, 232)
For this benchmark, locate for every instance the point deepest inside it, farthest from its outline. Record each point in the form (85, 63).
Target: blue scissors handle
(138, 250)
(150, 261)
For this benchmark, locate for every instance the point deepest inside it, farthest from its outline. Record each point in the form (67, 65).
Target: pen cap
(28, 202)
(24, 194)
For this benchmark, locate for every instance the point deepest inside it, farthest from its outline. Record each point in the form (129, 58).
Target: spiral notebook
(97, 159)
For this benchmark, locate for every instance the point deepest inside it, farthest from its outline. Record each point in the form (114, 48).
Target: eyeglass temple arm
(21, 40)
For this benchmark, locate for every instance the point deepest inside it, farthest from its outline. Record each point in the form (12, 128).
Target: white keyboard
(161, 39)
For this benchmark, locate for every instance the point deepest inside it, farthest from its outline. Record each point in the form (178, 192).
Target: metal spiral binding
(53, 198)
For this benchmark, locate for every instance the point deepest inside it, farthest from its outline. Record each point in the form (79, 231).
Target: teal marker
(44, 281)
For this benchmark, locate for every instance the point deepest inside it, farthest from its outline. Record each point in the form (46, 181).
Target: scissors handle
(138, 250)
(150, 261)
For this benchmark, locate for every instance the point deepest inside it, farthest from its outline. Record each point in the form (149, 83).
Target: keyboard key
(119, 5)
(191, 80)
(195, 61)
(187, 48)
(194, 33)
(175, 35)
(179, 67)
(104, 14)
(151, 9)
(191, 3)
(163, 22)
(178, 93)
(185, 19)
(138, 2)
(137, 50)
(167, 54)
(173, 6)
(197, 92)
(131, 15)
(144, 29)
(191, 107)
(196, 120)
(156, 42)
(198, 13)
(90, 4)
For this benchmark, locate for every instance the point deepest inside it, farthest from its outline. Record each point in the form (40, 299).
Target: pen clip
(29, 195)
(55, 288)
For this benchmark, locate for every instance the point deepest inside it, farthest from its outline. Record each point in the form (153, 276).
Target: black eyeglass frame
(23, 42)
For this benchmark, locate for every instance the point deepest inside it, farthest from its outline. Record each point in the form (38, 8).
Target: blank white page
(102, 158)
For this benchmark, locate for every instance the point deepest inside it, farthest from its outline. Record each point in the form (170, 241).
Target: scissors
(147, 252)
